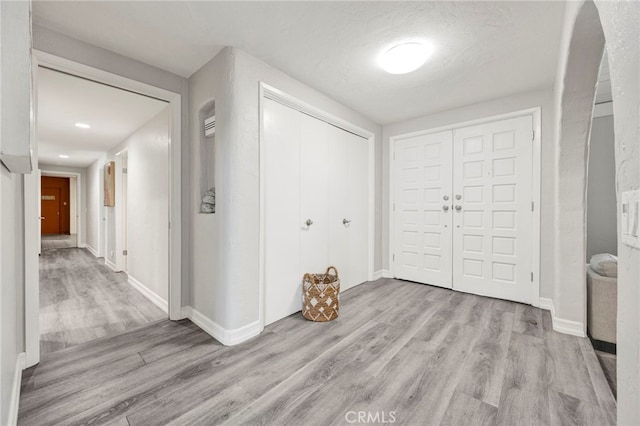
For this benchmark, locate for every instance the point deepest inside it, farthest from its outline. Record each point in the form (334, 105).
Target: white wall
(69, 48)
(148, 205)
(541, 98)
(82, 210)
(602, 235)
(95, 203)
(226, 245)
(11, 284)
(622, 33)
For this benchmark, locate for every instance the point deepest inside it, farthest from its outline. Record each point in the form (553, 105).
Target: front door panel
(422, 192)
(492, 234)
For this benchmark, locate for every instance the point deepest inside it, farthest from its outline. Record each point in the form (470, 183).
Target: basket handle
(334, 270)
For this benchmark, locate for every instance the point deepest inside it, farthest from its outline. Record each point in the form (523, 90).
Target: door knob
(309, 222)
(446, 198)
(458, 196)
(445, 207)
(458, 208)
(345, 221)
(41, 217)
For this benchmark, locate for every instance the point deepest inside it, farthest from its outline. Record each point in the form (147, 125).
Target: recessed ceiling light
(405, 57)
(83, 125)
(63, 156)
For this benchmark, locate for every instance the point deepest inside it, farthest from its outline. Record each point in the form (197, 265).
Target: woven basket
(321, 296)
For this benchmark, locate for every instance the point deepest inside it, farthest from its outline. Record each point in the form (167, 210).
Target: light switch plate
(630, 220)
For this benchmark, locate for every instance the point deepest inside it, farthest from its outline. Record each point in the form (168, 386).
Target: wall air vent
(210, 126)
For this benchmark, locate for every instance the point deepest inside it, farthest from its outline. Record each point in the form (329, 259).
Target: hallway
(82, 300)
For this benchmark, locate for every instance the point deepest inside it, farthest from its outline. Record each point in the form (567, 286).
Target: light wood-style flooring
(429, 355)
(81, 300)
(51, 242)
(608, 363)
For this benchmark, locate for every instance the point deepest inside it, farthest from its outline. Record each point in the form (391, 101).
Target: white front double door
(463, 209)
(316, 198)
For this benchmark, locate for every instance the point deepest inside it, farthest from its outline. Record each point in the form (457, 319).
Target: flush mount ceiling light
(83, 125)
(405, 57)
(63, 156)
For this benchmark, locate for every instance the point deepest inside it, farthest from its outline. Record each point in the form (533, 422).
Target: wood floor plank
(604, 393)
(486, 366)
(566, 410)
(566, 367)
(528, 320)
(466, 410)
(524, 398)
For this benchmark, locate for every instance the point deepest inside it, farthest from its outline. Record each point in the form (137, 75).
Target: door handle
(445, 207)
(345, 221)
(309, 222)
(458, 207)
(41, 217)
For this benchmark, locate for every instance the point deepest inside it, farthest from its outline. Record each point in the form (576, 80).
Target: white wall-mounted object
(630, 220)
(16, 149)
(210, 126)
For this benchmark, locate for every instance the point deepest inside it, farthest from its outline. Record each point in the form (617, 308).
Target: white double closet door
(463, 209)
(316, 200)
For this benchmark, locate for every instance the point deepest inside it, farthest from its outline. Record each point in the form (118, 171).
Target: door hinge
(532, 277)
(532, 206)
(394, 207)
(124, 170)
(533, 135)
(394, 257)
(125, 252)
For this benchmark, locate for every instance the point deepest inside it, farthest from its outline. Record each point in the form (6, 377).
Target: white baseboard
(12, 418)
(545, 304)
(382, 273)
(92, 250)
(146, 292)
(574, 328)
(111, 265)
(82, 245)
(215, 330)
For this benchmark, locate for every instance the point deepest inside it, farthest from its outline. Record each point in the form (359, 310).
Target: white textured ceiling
(485, 50)
(113, 114)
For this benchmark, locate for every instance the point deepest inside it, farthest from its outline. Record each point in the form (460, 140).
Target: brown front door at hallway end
(54, 202)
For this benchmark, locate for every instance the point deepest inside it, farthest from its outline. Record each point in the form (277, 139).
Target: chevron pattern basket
(321, 295)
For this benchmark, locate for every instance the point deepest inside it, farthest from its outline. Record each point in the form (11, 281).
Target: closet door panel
(339, 179)
(314, 195)
(348, 211)
(281, 145)
(358, 212)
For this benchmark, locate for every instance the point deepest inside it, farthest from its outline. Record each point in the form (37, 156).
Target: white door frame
(79, 197)
(121, 213)
(535, 249)
(270, 92)
(32, 305)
